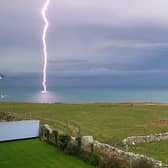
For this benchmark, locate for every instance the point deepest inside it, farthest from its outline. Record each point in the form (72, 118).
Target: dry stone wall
(104, 152)
(130, 158)
(142, 139)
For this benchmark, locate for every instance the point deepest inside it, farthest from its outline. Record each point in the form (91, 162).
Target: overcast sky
(85, 37)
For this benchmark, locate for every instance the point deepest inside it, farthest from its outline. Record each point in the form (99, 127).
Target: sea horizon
(86, 95)
(28, 88)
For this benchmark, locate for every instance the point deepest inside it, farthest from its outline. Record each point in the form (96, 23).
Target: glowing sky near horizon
(44, 10)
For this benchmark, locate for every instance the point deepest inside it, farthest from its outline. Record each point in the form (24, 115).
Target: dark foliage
(64, 141)
(143, 164)
(55, 132)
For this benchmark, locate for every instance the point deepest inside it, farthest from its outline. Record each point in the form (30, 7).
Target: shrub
(4, 116)
(143, 164)
(90, 158)
(111, 163)
(55, 132)
(47, 134)
(64, 141)
(72, 150)
(79, 141)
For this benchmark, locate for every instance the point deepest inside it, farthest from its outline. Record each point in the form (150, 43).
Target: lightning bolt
(44, 10)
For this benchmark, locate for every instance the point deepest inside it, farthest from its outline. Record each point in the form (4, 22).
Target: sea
(25, 90)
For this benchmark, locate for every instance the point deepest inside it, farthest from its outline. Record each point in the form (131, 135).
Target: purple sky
(85, 37)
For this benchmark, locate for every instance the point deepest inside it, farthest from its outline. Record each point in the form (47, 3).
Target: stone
(87, 140)
(48, 128)
(143, 139)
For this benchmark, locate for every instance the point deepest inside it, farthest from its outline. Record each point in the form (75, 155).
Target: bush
(90, 158)
(111, 163)
(143, 164)
(55, 132)
(64, 141)
(47, 135)
(72, 150)
(4, 116)
(79, 140)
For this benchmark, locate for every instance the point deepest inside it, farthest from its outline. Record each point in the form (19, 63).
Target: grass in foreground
(156, 150)
(107, 122)
(34, 154)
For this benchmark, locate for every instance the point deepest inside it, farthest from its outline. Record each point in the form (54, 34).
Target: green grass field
(107, 122)
(35, 154)
(157, 150)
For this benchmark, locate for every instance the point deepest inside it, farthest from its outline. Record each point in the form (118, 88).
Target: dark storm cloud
(85, 37)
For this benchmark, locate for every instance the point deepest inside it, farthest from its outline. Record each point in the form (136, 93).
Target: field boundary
(104, 154)
(143, 139)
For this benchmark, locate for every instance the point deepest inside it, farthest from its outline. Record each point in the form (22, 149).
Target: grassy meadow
(106, 122)
(33, 154)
